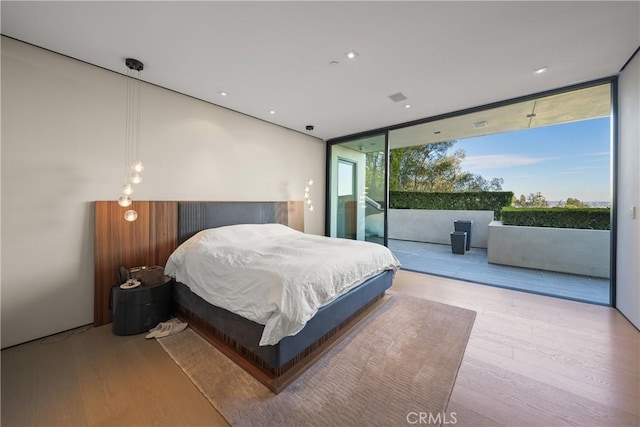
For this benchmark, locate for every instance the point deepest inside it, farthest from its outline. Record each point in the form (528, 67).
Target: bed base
(278, 365)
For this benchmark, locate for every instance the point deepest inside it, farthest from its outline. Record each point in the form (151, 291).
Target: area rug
(398, 364)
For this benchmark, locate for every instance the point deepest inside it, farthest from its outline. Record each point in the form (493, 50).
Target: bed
(171, 224)
(277, 359)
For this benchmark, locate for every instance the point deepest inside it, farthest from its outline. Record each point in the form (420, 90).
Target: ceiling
(583, 104)
(289, 57)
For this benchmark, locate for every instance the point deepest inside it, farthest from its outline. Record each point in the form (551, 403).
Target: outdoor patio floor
(438, 259)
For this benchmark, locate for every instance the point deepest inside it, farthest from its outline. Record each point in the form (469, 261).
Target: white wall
(435, 226)
(63, 147)
(628, 235)
(565, 250)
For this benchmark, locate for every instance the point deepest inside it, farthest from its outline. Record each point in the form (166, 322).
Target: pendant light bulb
(137, 167)
(131, 215)
(124, 201)
(307, 194)
(127, 189)
(136, 178)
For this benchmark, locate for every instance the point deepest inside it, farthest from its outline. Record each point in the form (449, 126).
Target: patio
(438, 259)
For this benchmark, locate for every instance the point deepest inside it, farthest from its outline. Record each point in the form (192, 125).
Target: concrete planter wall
(565, 250)
(434, 226)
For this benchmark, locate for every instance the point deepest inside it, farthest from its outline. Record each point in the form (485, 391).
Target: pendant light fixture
(307, 195)
(307, 189)
(132, 165)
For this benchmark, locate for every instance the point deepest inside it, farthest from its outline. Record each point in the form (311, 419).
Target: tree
(575, 203)
(472, 182)
(432, 168)
(534, 200)
(375, 177)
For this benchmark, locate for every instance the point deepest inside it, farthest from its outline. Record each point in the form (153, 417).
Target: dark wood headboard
(160, 228)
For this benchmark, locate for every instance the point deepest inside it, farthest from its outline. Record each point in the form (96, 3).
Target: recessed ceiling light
(223, 93)
(334, 63)
(272, 111)
(541, 70)
(407, 105)
(352, 54)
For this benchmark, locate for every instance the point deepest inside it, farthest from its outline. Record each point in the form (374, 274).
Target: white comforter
(272, 274)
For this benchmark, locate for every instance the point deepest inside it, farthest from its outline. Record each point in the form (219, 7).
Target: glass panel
(347, 218)
(346, 178)
(358, 189)
(374, 196)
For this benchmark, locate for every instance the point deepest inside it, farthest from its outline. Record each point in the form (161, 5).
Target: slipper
(159, 326)
(171, 329)
(152, 331)
(164, 329)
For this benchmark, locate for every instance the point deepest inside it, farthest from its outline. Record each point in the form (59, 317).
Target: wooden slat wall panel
(131, 238)
(103, 273)
(147, 241)
(282, 212)
(164, 238)
(295, 215)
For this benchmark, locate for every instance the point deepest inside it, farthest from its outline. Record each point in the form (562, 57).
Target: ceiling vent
(482, 124)
(397, 97)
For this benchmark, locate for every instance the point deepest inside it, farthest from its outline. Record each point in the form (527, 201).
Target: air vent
(397, 97)
(481, 124)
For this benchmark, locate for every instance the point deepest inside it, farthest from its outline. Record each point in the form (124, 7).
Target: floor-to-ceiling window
(552, 151)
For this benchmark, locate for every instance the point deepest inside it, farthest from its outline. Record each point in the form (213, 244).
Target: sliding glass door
(358, 181)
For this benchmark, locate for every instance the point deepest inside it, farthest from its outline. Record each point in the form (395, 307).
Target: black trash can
(460, 225)
(458, 242)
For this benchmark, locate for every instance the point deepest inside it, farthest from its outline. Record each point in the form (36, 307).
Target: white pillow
(243, 232)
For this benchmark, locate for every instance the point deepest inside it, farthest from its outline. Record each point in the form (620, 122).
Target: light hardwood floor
(531, 360)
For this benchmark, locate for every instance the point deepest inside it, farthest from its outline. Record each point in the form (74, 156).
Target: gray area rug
(400, 361)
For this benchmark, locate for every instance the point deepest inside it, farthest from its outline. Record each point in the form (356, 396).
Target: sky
(560, 161)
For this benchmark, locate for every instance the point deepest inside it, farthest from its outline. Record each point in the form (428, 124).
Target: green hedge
(585, 218)
(472, 200)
